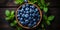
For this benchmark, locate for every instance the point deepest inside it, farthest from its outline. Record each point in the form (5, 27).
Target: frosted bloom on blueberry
(23, 6)
(26, 15)
(26, 8)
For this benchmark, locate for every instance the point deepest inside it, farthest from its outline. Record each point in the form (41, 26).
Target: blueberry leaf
(45, 9)
(7, 18)
(19, 28)
(33, 1)
(48, 4)
(42, 25)
(45, 17)
(50, 18)
(19, 1)
(11, 24)
(12, 12)
(42, 2)
(15, 22)
(41, 7)
(48, 22)
(7, 13)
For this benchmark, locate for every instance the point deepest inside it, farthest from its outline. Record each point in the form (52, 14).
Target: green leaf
(45, 9)
(41, 7)
(19, 28)
(42, 2)
(48, 4)
(15, 22)
(33, 1)
(42, 25)
(12, 12)
(48, 22)
(50, 18)
(7, 13)
(7, 18)
(11, 24)
(45, 17)
(19, 1)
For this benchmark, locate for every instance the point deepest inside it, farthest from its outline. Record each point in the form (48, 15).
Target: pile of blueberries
(28, 15)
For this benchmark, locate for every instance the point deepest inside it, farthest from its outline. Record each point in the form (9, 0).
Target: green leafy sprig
(10, 17)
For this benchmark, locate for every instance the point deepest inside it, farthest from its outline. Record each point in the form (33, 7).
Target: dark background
(54, 9)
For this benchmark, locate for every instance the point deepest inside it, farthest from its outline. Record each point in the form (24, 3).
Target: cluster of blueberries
(28, 15)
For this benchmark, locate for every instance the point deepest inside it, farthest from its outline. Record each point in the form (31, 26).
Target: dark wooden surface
(54, 9)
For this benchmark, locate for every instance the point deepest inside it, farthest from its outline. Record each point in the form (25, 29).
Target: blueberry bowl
(28, 15)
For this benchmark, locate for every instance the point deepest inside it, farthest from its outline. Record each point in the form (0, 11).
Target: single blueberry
(34, 20)
(29, 25)
(18, 18)
(26, 8)
(31, 10)
(26, 15)
(29, 18)
(20, 10)
(23, 15)
(32, 7)
(20, 13)
(27, 4)
(33, 14)
(21, 19)
(30, 15)
(23, 6)
(26, 22)
(31, 21)
(36, 9)
(27, 12)
(34, 23)
(36, 14)
(22, 22)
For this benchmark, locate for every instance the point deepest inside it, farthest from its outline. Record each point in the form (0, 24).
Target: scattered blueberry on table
(28, 15)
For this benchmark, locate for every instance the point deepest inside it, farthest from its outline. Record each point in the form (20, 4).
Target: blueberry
(26, 22)
(21, 19)
(31, 10)
(36, 14)
(34, 20)
(18, 15)
(26, 8)
(23, 6)
(23, 15)
(29, 18)
(33, 14)
(19, 11)
(30, 15)
(32, 7)
(27, 12)
(30, 25)
(31, 21)
(36, 9)
(27, 4)
(22, 22)
(34, 23)
(26, 15)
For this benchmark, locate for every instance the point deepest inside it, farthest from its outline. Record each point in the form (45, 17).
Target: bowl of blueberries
(28, 15)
